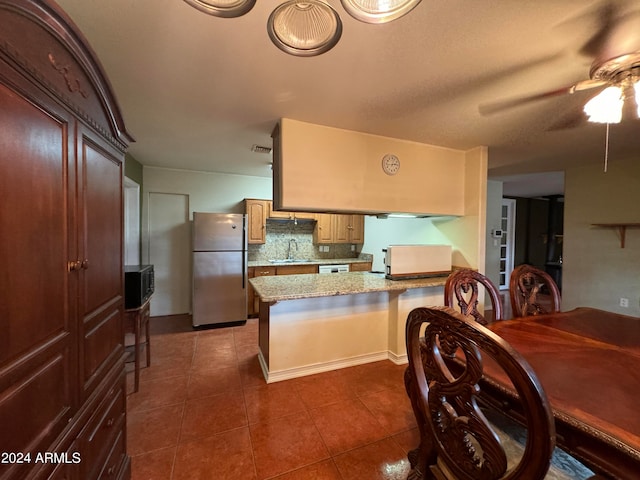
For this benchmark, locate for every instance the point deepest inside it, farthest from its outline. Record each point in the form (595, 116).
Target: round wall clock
(390, 164)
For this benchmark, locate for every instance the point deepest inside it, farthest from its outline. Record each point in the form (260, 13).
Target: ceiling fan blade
(501, 105)
(616, 30)
(574, 119)
(606, 15)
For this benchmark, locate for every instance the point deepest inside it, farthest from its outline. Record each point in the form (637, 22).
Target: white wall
(492, 254)
(380, 233)
(596, 271)
(207, 192)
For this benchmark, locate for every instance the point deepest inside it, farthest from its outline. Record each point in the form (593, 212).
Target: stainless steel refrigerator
(219, 268)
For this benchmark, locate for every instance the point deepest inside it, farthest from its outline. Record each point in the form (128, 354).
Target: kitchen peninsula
(312, 323)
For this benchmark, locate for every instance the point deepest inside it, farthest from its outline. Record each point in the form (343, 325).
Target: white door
(170, 253)
(507, 242)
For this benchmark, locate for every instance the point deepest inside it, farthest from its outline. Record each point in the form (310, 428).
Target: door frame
(508, 240)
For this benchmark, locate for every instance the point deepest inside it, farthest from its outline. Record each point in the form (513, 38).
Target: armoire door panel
(101, 251)
(102, 345)
(34, 240)
(102, 216)
(33, 423)
(38, 344)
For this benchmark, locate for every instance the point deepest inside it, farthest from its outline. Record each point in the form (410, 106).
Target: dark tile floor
(204, 411)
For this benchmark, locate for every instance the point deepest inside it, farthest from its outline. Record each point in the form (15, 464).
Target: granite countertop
(311, 261)
(291, 287)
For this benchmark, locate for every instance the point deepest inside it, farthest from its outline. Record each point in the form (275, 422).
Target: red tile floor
(204, 411)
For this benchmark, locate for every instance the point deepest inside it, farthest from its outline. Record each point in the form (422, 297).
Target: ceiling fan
(615, 70)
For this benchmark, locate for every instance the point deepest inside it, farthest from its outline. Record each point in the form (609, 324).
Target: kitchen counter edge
(294, 287)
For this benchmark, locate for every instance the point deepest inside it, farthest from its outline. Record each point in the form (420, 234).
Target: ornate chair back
(525, 285)
(462, 288)
(456, 440)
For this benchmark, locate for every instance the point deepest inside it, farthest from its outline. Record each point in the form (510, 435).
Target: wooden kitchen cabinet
(257, 213)
(348, 228)
(62, 376)
(356, 229)
(360, 267)
(290, 215)
(323, 231)
(296, 269)
(253, 302)
(339, 228)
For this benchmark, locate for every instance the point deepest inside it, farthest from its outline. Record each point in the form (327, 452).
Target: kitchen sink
(291, 260)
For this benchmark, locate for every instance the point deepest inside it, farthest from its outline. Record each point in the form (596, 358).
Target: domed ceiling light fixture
(223, 8)
(307, 28)
(378, 11)
(304, 28)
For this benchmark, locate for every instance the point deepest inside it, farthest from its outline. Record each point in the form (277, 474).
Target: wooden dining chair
(527, 285)
(462, 285)
(456, 439)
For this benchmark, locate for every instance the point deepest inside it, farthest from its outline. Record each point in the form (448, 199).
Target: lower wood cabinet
(295, 269)
(253, 301)
(360, 267)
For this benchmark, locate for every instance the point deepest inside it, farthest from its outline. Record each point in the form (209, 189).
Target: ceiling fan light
(223, 8)
(378, 11)
(606, 107)
(304, 28)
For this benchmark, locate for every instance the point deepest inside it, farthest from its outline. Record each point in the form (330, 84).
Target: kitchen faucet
(292, 240)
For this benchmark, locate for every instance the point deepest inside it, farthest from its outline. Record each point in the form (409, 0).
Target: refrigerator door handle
(245, 253)
(244, 269)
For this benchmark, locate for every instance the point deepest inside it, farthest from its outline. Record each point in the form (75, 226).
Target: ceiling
(197, 91)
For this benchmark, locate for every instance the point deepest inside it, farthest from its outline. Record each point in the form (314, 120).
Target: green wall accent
(133, 169)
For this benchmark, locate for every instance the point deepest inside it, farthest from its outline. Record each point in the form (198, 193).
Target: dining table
(588, 362)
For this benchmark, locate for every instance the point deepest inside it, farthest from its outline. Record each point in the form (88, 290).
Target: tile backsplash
(280, 235)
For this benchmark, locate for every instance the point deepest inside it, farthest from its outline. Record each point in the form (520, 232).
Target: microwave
(138, 285)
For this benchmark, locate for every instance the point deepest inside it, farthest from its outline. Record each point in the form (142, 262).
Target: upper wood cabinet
(348, 228)
(323, 231)
(338, 228)
(257, 213)
(290, 215)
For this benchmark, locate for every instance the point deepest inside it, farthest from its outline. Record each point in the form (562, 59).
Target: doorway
(170, 253)
(131, 222)
(507, 240)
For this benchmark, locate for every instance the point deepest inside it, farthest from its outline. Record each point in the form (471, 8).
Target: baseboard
(272, 377)
(398, 359)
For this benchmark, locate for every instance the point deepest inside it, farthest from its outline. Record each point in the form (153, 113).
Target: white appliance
(333, 268)
(219, 268)
(416, 261)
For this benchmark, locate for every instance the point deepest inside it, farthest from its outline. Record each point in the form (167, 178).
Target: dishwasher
(333, 268)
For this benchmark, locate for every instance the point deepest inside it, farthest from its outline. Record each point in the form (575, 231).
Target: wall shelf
(621, 227)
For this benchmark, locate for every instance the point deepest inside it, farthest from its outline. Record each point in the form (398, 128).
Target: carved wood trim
(463, 285)
(525, 284)
(456, 440)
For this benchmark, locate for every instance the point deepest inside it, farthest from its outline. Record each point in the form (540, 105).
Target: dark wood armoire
(62, 145)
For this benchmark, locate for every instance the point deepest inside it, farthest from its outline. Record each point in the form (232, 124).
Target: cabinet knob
(85, 264)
